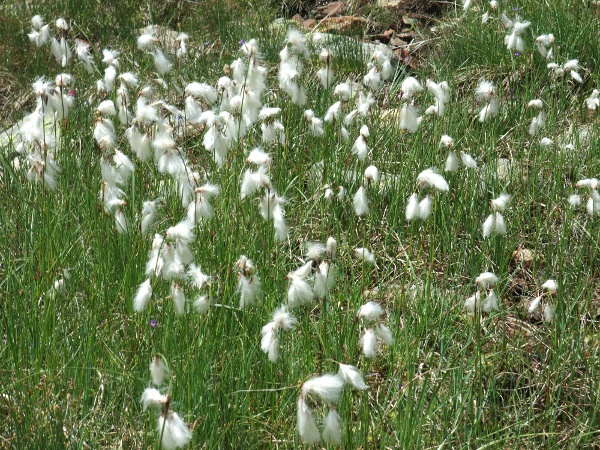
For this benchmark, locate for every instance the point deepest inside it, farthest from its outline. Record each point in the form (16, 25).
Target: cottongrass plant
(543, 302)
(516, 27)
(282, 320)
(495, 223)
(592, 205)
(172, 431)
(371, 315)
(485, 286)
(428, 179)
(327, 389)
(249, 286)
(486, 93)
(235, 124)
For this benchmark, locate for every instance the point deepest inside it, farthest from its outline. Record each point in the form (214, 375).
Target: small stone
(347, 25)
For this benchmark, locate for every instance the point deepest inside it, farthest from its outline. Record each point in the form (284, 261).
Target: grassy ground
(74, 362)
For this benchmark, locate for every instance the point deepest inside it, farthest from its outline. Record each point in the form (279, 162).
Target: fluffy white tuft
(332, 431)
(327, 387)
(175, 433)
(144, 292)
(307, 426)
(352, 376)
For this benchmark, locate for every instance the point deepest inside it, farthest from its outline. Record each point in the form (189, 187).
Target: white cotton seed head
(370, 312)
(486, 280)
(500, 203)
(452, 162)
(468, 161)
(178, 298)
(412, 208)
(143, 295)
(331, 246)
(591, 183)
(360, 202)
(249, 289)
(472, 303)
(333, 113)
(551, 286)
(202, 304)
(314, 250)
(328, 194)
(592, 207)
(365, 255)
(446, 141)
(283, 319)
(158, 371)
(485, 90)
(499, 224)
(107, 107)
(344, 90)
(384, 333)
(152, 397)
(360, 148)
(425, 207)
(548, 313)
(121, 222)
(303, 271)
(430, 179)
(352, 376)
(490, 303)
(410, 86)
(327, 387)
(299, 292)
(593, 101)
(372, 174)
(161, 63)
(364, 131)
(574, 200)
(259, 157)
(196, 277)
(332, 430)
(281, 229)
(535, 103)
(181, 232)
(409, 118)
(37, 22)
(372, 80)
(326, 76)
(489, 225)
(269, 342)
(175, 433)
(534, 305)
(490, 110)
(545, 39)
(320, 285)
(368, 342)
(307, 426)
(146, 41)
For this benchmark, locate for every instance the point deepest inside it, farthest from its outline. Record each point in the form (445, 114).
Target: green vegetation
(74, 354)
